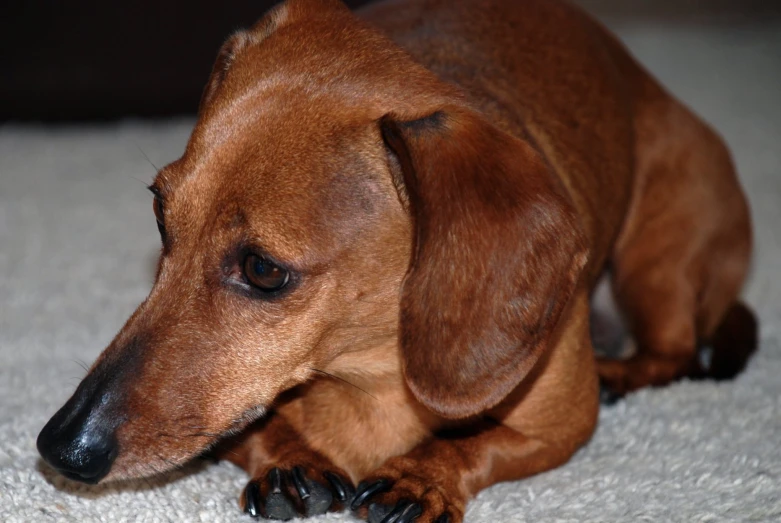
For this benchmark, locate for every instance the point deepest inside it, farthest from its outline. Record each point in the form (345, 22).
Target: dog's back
(645, 174)
(544, 72)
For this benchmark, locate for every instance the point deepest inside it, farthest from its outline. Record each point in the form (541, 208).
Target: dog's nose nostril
(78, 450)
(87, 457)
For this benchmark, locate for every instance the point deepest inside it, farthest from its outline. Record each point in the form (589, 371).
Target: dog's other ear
(225, 57)
(497, 255)
(278, 16)
(318, 5)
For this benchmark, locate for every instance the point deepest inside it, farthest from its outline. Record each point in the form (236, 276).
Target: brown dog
(381, 242)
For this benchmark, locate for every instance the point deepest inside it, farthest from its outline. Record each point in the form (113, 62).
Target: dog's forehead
(301, 190)
(324, 56)
(311, 193)
(289, 142)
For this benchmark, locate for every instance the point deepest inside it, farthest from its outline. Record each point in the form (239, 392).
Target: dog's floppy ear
(497, 255)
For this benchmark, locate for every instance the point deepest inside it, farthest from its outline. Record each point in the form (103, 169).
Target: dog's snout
(78, 442)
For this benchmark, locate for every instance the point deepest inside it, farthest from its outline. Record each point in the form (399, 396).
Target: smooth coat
(446, 182)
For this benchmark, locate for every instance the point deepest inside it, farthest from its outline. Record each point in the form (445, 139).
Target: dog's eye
(157, 205)
(263, 274)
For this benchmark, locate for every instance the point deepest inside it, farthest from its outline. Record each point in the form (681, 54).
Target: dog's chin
(132, 468)
(130, 465)
(248, 417)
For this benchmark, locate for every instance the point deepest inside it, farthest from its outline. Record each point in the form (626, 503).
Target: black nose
(77, 442)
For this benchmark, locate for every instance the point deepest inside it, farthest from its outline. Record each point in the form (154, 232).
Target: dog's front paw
(405, 491)
(284, 493)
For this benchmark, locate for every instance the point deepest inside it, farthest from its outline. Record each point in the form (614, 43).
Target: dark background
(104, 59)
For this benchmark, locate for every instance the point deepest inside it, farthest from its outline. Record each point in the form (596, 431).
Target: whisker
(343, 381)
(190, 435)
(231, 452)
(365, 326)
(168, 461)
(147, 157)
(153, 468)
(81, 364)
(370, 300)
(186, 417)
(146, 184)
(203, 435)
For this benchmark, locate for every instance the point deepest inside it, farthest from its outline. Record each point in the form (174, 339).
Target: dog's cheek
(250, 375)
(163, 418)
(202, 383)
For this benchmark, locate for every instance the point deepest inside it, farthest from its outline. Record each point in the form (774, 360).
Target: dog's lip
(249, 416)
(90, 480)
(92, 477)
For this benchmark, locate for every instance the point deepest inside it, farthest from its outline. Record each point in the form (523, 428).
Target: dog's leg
(288, 477)
(662, 317)
(544, 421)
(682, 256)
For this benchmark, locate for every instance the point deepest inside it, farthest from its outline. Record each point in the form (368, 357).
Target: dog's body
(440, 218)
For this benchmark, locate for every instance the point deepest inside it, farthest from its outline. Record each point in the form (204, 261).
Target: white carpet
(78, 243)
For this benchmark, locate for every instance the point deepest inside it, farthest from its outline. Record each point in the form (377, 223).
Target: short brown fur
(446, 181)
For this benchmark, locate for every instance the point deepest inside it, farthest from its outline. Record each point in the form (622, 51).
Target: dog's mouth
(145, 454)
(160, 395)
(249, 417)
(90, 477)
(86, 444)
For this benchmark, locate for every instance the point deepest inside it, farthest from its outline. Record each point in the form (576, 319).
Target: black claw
(277, 504)
(275, 479)
(410, 513)
(343, 491)
(299, 481)
(395, 513)
(378, 512)
(403, 512)
(444, 518)
(252, 498)
(367, 490)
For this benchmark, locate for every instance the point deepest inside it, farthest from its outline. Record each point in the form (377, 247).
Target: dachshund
(379, 250)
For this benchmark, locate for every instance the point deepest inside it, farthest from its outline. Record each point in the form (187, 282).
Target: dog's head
(336, 201)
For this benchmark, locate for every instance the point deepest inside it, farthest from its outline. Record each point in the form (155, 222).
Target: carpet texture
(77, 250)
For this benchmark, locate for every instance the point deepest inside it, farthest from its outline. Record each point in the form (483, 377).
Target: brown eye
(263, 274)
(157, 205)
